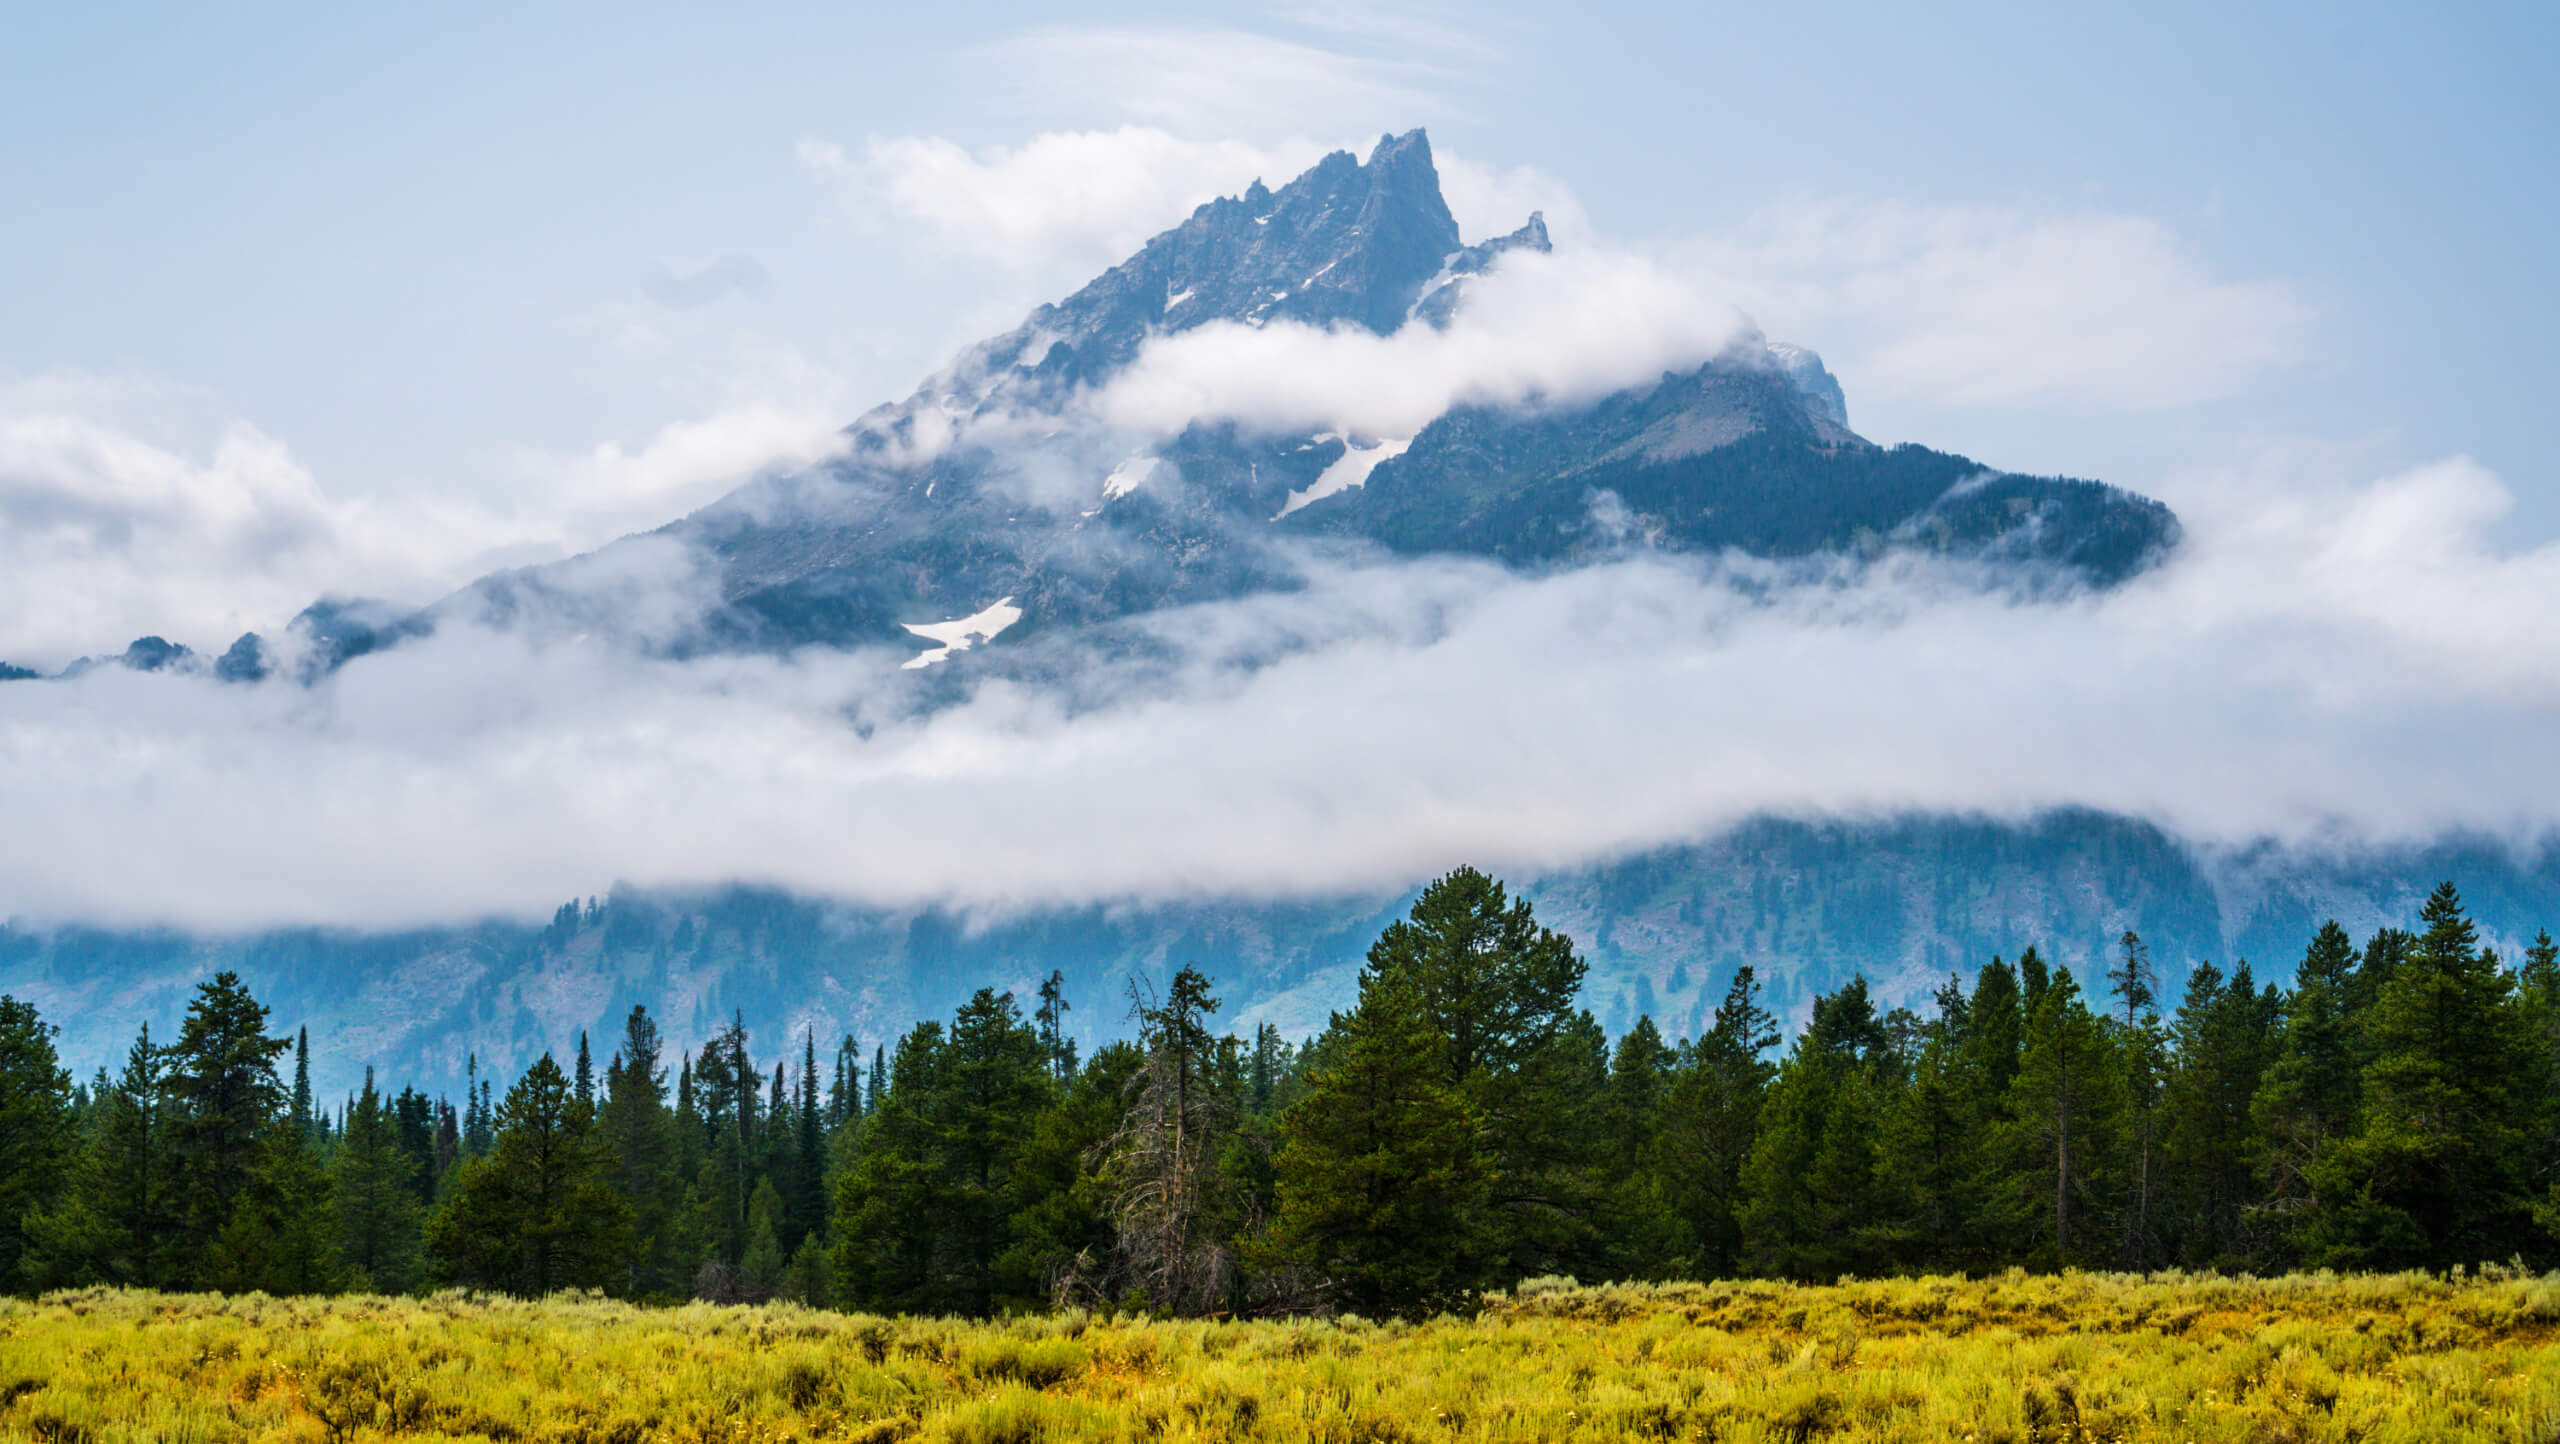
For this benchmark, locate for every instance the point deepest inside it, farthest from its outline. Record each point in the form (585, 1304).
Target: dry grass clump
(2011, 1358)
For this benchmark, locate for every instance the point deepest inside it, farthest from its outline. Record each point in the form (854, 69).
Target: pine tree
(844, 1100)
(2133, 977)
(225, 1102)
(1382, 1194)
(2432, 1177)
(2538, 999)
(476, 1121)
(1809, 1180)
(1644, 1232)
(890, 1218)
(2227, 1035)
(1639, 1078)
(1930, 1149)
(1495, 985)
(995, 1080)
(808, 1209)
(302, 1116)
(537, 1214)
(645, 1173)
(35, 1130)
(281, 1236)
(118, 1219)
(2309, 1098)
(1709, 1123)
(760, 1268)
(586, 1072)
(379, 1215)
(2062, 1111)
(1268, 1069)
(1994, 1037)
(2033, 979)
(1499, 990)
(2145, 1055)
(1051, 1020)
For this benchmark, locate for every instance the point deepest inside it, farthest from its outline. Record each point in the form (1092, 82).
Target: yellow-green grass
(2314, 1357)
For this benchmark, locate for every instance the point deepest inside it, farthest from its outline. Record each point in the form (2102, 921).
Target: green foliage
(1383, 1185)
(35, 1128)
(2433, 1176)
(1465, 1125)
(1494, 985)
(927, 1212)
(2064, 1108)
(377, 1194)
(117, 1219)
(538, 1213)
(225, 1104)
(639, 1135)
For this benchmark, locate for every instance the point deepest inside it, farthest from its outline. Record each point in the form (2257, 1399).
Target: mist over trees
(1465, 1124)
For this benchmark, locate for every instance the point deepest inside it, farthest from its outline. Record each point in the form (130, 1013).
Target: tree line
(1464, 1125)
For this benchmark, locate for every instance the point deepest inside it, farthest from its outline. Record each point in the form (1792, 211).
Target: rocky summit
(995, 486)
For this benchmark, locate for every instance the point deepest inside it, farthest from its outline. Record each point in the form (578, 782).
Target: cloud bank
(2322, 663)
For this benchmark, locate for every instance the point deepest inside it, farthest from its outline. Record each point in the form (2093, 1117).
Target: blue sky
(493, 269)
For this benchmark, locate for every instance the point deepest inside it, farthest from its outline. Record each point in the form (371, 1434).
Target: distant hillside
(1807, 904)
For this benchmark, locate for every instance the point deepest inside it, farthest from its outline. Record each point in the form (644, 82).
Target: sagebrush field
(2016, 1357)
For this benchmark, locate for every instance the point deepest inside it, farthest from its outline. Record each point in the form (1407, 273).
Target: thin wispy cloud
(1960, 306)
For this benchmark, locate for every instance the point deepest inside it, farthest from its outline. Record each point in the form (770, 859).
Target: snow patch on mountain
(1128, 476)
(1350, 469)
(961, 635)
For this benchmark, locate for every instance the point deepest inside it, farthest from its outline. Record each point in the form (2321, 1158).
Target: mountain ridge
(984, 483)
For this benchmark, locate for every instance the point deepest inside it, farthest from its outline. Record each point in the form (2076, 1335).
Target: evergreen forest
(1465, 1126)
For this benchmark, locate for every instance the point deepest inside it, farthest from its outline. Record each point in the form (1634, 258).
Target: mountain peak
(1345, 242)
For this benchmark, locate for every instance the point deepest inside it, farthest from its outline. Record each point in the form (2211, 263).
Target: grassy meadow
(2017, 1357)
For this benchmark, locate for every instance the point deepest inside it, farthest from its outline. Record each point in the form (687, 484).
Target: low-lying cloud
(112, 528)
(1558, 328)
(2319, 663)
(106, 536)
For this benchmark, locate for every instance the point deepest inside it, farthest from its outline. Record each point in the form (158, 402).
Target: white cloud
(611, 490)
(116, 523)
(2321, 663)
(1078, 201)
(105, 537)
(1943, 305)
(1492, 201)
(1562, 327)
